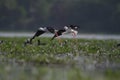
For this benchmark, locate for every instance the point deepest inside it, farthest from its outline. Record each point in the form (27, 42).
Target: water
(82, 36)
(85, 69)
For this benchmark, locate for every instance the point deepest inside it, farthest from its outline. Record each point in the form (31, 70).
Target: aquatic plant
(71, 57)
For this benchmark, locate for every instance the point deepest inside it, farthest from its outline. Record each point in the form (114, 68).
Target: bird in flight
(67, 29)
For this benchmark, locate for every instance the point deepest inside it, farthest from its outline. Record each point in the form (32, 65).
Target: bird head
(65, 27)
(73, 27)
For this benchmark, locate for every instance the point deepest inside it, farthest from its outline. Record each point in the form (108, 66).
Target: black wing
(73, 27)
(50, 29)
(38, 33)
(58, 33)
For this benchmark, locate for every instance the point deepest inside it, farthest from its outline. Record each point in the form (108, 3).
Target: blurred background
(92, 16)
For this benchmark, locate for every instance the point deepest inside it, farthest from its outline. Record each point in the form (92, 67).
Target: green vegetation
(64, 59)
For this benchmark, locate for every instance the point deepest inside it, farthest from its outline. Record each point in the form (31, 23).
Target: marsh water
(83, 36)
(86, 67)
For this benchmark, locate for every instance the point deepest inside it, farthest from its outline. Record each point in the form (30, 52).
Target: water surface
(82, 36)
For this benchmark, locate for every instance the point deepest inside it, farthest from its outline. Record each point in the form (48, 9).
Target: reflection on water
(86, 67)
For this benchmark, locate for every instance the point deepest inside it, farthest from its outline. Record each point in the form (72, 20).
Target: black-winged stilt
(118, 45)
(1, 41)
(67, 29)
